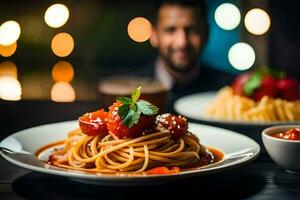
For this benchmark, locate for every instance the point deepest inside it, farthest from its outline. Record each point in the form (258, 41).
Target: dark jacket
(209, 79)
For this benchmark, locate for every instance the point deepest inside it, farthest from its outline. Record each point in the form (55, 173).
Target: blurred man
(180, 32)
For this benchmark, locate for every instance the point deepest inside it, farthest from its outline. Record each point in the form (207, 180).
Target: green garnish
(277, 73)
(255, 80)
(253, 83)
(132, 108)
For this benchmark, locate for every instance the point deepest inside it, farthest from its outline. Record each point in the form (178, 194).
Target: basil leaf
(278, 73)
(123, 111)
(131, 109)
(124, 100)
(147, 108)
(129, 115)
(131, 118)
(136, 94)
(253, 83)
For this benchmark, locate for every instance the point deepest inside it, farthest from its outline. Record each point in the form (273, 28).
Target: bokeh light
(227, 16)
(241, 56)
(7, 51)
(56, 15)
(62, 44)
(63, 71)
(139, 29)
(257, 21)
(8, 68)
(9, 33)
(10, 88)
(63, 92)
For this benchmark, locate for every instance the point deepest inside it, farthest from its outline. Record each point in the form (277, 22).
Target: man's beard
(184, 68)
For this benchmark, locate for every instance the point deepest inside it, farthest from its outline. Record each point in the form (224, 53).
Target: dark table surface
(260, 179)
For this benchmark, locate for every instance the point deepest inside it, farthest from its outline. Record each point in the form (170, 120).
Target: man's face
(178, 36)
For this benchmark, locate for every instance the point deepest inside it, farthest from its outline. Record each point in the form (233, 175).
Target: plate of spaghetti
(129, 145)
(264, 98)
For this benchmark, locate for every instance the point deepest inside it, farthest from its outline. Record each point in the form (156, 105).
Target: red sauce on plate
(291, 134)
(213, 156)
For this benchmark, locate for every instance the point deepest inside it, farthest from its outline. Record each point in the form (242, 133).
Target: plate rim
(229, 122)
(128, 178)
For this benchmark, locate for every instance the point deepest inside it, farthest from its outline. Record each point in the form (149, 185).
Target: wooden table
(260, 179)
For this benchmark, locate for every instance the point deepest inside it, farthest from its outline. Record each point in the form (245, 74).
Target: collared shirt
(163, 76)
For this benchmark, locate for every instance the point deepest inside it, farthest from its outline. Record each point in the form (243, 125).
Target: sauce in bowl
(291, 134)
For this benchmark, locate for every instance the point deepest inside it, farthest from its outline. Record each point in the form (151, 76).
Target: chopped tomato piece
(94, 123)
(163, 170)
(177, 125)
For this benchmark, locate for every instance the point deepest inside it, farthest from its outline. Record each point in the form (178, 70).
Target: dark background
(103, 47)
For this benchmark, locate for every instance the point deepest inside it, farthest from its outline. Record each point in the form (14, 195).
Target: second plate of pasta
(223, 107)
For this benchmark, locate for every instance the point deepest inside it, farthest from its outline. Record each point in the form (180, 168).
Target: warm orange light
(257, 21)
(63, 71)
(63, 92)
(139, 29)
(10, 88)
(62, 44)
(8, 68)
(7, 51)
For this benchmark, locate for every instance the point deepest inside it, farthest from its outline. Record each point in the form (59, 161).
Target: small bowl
(284, 152)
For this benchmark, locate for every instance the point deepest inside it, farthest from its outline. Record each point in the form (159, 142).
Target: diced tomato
(177, 125)
(163, 170)
(94, 123)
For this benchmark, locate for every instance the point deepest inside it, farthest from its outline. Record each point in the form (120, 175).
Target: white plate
(238, 150)
(194, 106)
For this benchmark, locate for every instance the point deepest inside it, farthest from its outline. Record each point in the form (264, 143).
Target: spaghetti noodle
(110, 155)
(228, 106)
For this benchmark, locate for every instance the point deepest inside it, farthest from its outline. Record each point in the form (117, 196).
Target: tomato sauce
(291, 134)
